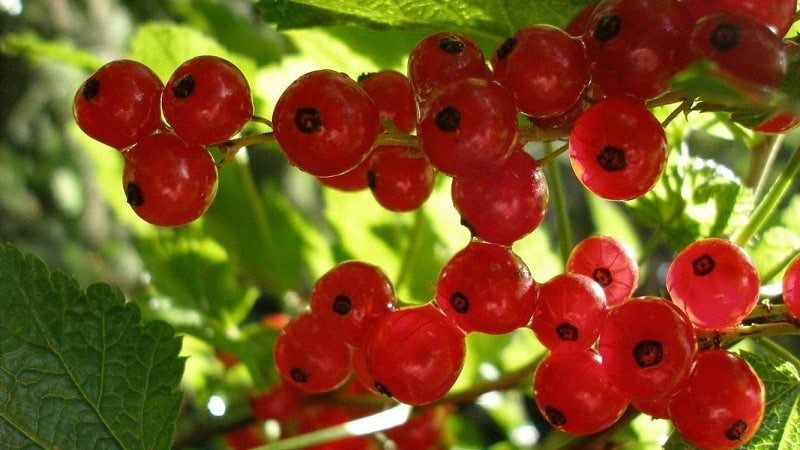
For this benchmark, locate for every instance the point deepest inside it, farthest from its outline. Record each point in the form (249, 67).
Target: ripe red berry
(423, 430)
(505, 204)
(119, 104)
(609, 262)
(779, 123)
(349, 296)
(355, 179)
(311, 358)
(647, 345)
(487, 288)
(618, 149)
(715, 282)
(399, 181)
(721, 404)
(469, 128)
(168, 181)
(440, 59)
(570, 311)
(544, 68)
(414, 354)
(573, 394)
(791, 287)
(325, 123)
(393, 96)
(281, 402)
(207, 100)
(777, 14)
(741, 48)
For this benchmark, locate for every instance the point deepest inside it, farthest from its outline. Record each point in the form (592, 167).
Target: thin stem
(262, 120)
(232, 147)
(552, 156)
(397, 138)
(406, 264)
(558, 204)
(771, 199)
(772, 273)
(724, 339)
(764, 155)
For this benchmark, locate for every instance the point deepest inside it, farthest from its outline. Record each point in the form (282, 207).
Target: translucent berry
(741, 48)
(207, 100)
(119, 104)
(325, 123)
(570, 311)
(440, 59)
(414, 354)
(609, 262)
(348, 297)
(721, 404)
(505, 204)
(544, 68)
(715, 282)
(777, 14)
(618, 149)
(469, 128)
(647, 345)
(573, 394)
(791, 287)
(355, 179)
(393, 96)
(168, 181)
(310, 357)
(399, 181)
(487, 288)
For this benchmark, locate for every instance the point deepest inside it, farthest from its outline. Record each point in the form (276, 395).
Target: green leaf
(496, 19)
(79, 369)
(780, 429)
(28, 43)
(695, 197)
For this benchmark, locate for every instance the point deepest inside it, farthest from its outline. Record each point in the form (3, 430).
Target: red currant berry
(393, 96)
(741, 48)
(310, 357)
(325, 123)
(245, 437)
(577, 25)
(469, 128)
(779, 123)
(414, 354)
(119, 104)
(573, 394)
(505, 204)
(318, 417)
(399, 181)
(777, 14)
(721, 404)
(791, 287)
(168, 181)
(618, 149)
(349, 296)
(570, 311)
(647, 345)
(544, 68)
(715, 282)
(282, 402)
(440, 59)
(355, 179)
(423, 430)
(609, 262)
(487, 288)
(637, 46)
(207, 100)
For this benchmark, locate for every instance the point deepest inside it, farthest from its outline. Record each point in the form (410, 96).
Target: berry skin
(310, 357)
(207, 100)
(469, 128)
(647, 345)
(355, 179)
(715, 282)
(168, 181)
(487, 288)
(570, 311)
(741, 48)
(414, 354)
(349, 296)
(506, 204)
(119, 104)
(573, 394)
(777, 14)
(393, 96)
(791, 287)
(325, 123)
(398, 180)
(544, 68)
(721, 403)
(440, 59)
(609, 262)
(618, 149)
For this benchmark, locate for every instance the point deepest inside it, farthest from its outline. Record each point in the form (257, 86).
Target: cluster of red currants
(163, 131)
